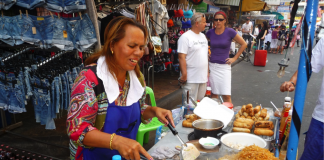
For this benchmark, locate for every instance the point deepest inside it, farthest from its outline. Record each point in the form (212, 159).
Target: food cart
(189, 135)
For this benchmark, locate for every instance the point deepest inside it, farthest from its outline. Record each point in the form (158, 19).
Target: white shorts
(274, 43)
(281, 43)
(220, 78)
(197, 90)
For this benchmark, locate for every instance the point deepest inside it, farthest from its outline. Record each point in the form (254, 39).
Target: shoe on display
(250, 52)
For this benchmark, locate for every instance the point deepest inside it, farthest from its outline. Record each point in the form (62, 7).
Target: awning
(278, 15)
(253, 5)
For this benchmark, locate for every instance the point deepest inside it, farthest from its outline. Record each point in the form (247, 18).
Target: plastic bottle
(116, 157)
(287, 99)
(208, 92)
(287, 127)
(285, 114)
(283, 150)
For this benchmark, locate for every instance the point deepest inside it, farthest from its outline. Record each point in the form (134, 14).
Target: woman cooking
(107, 98)
(220, 64)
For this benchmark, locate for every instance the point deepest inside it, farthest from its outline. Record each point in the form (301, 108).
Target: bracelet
(293, 83)
(111, 138)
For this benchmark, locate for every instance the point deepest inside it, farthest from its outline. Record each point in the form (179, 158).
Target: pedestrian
(247, 28)
(255, 34)
(109, 95)
(239, 30)
(313, 147)
(220, 64)
(274, 40)
(298, 38)
(262, 33)
(193, 57)
(282, 35)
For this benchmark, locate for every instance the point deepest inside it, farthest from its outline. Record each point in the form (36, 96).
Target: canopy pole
(304, 74)
(240, 13)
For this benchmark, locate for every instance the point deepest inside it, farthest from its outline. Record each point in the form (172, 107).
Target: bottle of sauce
(208, 92)
(285, 114)
(283, 150)
(287, 127)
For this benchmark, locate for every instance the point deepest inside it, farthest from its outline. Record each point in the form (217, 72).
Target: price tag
(65, 34)
(40, 18)
(34, 30)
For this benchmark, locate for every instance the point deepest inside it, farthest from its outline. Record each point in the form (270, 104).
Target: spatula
(189, 152)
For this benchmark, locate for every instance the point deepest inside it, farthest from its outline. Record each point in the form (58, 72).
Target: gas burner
(191, 136)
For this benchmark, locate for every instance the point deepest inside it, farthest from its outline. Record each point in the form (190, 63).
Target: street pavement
(260, 85)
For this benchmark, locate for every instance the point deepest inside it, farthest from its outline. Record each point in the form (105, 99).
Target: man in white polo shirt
(193, 57)
(247, 28)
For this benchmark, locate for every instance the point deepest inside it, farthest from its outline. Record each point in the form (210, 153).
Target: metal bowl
(208, 124)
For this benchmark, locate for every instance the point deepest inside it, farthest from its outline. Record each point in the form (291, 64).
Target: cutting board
(201, 148)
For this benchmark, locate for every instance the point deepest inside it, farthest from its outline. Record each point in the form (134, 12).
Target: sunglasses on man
(221, 20)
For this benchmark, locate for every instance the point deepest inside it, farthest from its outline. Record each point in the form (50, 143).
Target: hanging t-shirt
(161, 16)
(195, 46)
(104, 22)
(317, 62)
(220, 45)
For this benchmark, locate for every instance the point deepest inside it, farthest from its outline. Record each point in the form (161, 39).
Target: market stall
(237, 133)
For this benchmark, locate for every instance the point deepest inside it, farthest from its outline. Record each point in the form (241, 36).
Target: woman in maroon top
(274, 40)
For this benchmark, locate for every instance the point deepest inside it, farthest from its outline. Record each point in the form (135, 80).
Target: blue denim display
(66, 6)
(65, 87)
(6, 30)
(74, 74)
(61, 92)
(22, 30)
(81, 32)
(7, 4)
(17, 95)
(42, 101)
(60, 40)
(52, 110)
(71, 6)
(57, 96)
(5, 88)
(27, 82)
(44, 25)
(30, 4)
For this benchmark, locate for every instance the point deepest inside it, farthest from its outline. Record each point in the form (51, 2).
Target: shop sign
(272, 2)
(212, 9)
(283, 9)
(202, 7)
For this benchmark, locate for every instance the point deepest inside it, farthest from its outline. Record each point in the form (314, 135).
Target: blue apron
(122, 120)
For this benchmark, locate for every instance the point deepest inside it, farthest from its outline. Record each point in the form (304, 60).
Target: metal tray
(266, 138)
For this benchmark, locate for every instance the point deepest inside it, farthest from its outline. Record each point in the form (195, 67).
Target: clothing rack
(50, 59)
(7, 128)
(17, 53)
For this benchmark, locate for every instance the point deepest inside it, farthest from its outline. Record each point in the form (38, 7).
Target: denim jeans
(5, 89)
(28, 84)
(60, 40)
(74, 74)
(42, 101)
(65, 91)
(81, 32)
(23, 30)
(61, 92)
(7, 4)
(30, 4)
(45, 29)
(57, 95)
(17, 95)
(71, 6)
(6, 30)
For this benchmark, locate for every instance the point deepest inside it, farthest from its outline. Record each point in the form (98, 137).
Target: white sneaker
(267, 61)
(250, 52)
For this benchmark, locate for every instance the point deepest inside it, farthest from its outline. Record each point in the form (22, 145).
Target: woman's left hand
(229, 61)
(164, 115)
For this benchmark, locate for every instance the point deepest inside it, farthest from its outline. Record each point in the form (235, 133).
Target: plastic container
(208, 92)
(287, 128)
(209, 142)
(287, 107)
(229, 105)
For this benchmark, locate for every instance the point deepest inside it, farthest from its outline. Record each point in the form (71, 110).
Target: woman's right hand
(129, 148)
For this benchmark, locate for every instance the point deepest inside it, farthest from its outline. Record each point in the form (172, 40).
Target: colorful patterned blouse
(84, 115)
